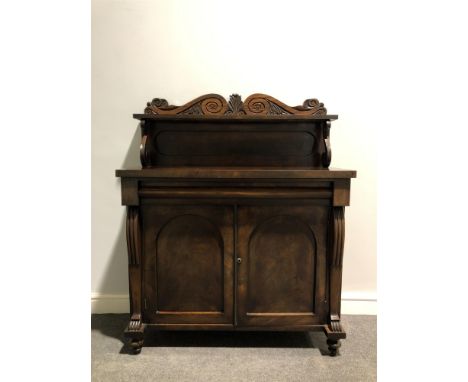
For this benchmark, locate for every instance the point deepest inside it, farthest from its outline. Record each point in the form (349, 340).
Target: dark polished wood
(281, 264)
(233, 143)
(189, 276)
(235, 221)
(252, 172)
(216, 105)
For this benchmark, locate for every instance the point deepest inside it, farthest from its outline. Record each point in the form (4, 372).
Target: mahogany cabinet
(235, 220)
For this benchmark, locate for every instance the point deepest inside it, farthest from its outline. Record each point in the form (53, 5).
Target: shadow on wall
(117, 270)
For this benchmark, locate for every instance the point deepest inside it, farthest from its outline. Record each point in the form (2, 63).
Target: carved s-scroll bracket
(145, 157)
(338, 238)
(334, 330)
(133, 236)
(326, 155)
(135, 328)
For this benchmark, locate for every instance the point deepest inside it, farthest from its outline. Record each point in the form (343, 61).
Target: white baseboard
(110, 303)
(359, 303)
(351, 303)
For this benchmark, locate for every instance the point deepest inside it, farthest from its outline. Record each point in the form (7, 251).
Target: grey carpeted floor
(233, 356)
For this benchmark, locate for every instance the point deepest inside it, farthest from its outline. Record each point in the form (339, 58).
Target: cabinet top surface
(238, 173)
(215, 107)
(258, 118)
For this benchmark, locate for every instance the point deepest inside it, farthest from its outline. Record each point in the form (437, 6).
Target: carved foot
(135, 332)
(334, 333)
(135, 345)
(333, 346)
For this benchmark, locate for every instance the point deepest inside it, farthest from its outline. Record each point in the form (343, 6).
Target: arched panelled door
(274, 274)
(188, 264)
(281, 265)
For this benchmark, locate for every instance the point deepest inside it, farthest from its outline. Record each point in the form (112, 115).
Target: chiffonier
(235, 220)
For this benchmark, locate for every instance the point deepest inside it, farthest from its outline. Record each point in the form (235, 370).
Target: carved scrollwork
(144, 154)
(209, 104)
(335, 325)
(326, 155)
(338, 237)
(160, 103)
(334, 333)
(133, 236)
(214, 105)
(262, 104)
(311, 104)
(256, 104)
(145, 157)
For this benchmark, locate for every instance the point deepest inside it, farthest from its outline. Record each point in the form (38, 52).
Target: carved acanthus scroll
(236, 106)
(216, 105)
(262, 104)
(133, 236)
(209, 104)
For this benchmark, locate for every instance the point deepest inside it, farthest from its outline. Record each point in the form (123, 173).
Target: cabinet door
(281, 265)
(188, 264)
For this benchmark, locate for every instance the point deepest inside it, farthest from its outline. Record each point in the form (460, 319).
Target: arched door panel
(281, 271)
(188, 257)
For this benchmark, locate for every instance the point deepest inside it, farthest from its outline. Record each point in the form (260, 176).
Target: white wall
(179, 50)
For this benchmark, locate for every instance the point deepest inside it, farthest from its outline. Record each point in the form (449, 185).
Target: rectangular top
(238, 173)
(240, 118)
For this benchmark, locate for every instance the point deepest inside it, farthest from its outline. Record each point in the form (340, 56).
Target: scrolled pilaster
(338, 237)
(133, 236)
(334, 329)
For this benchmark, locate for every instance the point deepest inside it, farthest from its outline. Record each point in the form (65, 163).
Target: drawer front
(188, 264)
(281, 265)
